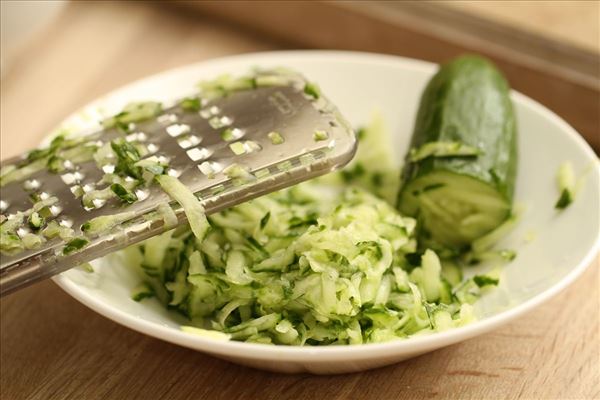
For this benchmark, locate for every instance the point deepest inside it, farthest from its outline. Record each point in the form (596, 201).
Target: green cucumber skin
(468, 101)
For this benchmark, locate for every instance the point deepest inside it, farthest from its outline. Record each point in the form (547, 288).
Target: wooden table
(52, 347)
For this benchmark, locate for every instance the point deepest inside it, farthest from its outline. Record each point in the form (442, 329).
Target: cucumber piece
(36, 221)
(459, 197)
(191, 205)
(133, 112)
(452, 272)
(566, 184)
(142, 291)
(104, 223)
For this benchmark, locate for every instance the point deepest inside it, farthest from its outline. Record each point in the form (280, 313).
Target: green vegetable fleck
(122, 193)
(320, 135)
(565, 199)
(127, 156)
(36, 221)
(312, 90)
(191, 104)
(74, 245)
(566, 184)
(105, 223)
(275, 138)
(133, 112)
(484, 280)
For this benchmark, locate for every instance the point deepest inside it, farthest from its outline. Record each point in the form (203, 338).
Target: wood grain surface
(564, 78)
(553, 19)
(52, 347)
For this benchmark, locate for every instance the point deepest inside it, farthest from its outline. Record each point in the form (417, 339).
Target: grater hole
(98, 203)
(68, 179)
(220, 122)
(77, 191)
(175, 173)
(55, 210)
(44, 195)
(237, 148)
(152, 148)
(71, 178)
(167, 119)
(68, 165)
(3, 205)
(210, 168)
(275, 138)
(230, 134)
(285, 166)
(248, 146)
(209, 112)
(217, 189)
(31, 184)
(262, 173)
(22, 231)
(178, 129)
(188, 141)
(163, 159)
(108, 168)
(252, 146)
(136, 137)
(307, 159)
(142, 194)
(199, 153)
(66, 222)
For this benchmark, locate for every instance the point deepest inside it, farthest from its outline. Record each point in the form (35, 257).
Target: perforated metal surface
(238, 129)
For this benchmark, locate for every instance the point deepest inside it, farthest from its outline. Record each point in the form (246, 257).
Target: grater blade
(311, 139)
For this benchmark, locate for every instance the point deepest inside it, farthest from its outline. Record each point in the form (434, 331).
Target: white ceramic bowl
(358, 83)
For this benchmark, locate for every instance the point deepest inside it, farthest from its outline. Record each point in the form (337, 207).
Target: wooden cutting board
(52, 347)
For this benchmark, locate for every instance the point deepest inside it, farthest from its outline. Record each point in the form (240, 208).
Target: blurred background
(58, 55)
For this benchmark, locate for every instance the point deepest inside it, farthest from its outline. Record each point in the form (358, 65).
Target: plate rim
(413, 345)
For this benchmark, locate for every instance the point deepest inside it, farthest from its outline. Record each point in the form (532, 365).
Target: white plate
(358, 83)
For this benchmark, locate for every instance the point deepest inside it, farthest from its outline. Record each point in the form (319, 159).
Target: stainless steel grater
(281, 134)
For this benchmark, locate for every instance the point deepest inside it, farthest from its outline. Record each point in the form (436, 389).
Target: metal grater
(198, 151)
